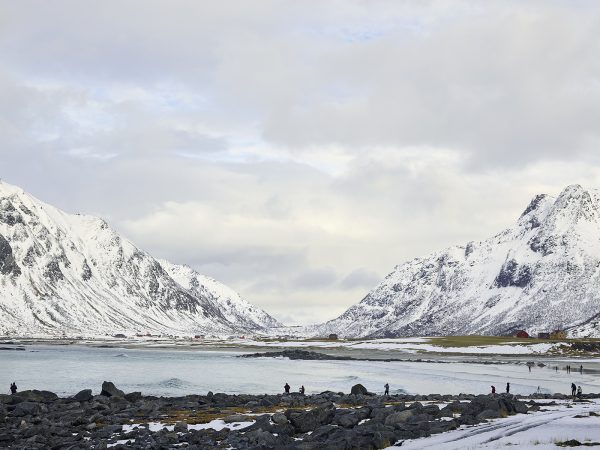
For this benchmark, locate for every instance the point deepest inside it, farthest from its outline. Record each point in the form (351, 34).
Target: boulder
(261, 439)
(399, 417)
(37, 396)
(27, 409)
(84, 396)
(110, 390)
(520, 407)
(304, 421)
(237, 418)
(279, 419)
(488, 414)
(133, 396)
(180, 427)
(346, 420)
(359, 389)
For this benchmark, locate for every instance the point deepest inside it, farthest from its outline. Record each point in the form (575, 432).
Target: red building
(522, 334)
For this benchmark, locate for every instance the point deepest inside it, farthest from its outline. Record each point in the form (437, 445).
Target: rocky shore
(113, 419)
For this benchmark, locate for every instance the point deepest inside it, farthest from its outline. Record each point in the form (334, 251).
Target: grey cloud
(315, 279)
(279, 146)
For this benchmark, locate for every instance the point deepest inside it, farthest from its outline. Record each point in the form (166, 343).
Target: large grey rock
(488, 414)
(399, 417)
(133, 396)
(180, 427)
(261, 439)
(279, 419)
(349, 420)
(237, 418)
(27, 409)
(37, 396)
(84, 396)
(110, 390)
(304, 421)
(359, 389)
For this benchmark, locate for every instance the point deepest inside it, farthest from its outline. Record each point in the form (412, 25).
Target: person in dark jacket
(13, 388)
(302, 389)
(286, 388)
(493, 390)
(508, 388)
(387, 389)
(573, 390)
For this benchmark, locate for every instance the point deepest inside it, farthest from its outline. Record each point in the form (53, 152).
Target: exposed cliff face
(72, 273)
(8, 265)
(540, 274)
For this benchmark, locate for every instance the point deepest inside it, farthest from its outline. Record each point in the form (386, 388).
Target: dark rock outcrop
(8, 265)
(39, 419)
(359, 389)
(110, 390)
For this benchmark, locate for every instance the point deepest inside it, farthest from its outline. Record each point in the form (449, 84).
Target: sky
(299, 150)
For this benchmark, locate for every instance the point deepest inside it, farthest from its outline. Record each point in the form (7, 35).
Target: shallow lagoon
(69, 369)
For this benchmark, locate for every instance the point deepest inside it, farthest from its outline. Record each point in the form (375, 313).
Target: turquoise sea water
(69, 369)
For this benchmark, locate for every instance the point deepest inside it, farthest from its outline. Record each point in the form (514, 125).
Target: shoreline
(41, 419)
(591, 361)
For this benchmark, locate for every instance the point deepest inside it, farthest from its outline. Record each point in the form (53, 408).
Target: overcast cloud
(298, 151)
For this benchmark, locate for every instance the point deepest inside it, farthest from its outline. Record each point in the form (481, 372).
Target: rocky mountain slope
(73, 274)
(540, 274)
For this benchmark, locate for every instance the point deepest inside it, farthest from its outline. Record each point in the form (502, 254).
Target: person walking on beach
(573, 390)
(286, 388)
(581, 369)
(508, 388)
(13, 388)
(493, 390)
(529, 365)
(387, 389)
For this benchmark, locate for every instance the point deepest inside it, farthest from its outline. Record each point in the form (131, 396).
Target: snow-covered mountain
(63, 273)
(540, 274)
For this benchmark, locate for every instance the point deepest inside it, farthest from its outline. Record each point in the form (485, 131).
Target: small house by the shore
(543, 335)
(333, 337)
(522, 334)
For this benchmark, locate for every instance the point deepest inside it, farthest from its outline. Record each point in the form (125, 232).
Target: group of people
(287, 388)
(575, 390)
(580, 369)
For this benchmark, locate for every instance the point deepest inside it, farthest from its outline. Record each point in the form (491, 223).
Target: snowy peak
(73, 273)
(538, 275)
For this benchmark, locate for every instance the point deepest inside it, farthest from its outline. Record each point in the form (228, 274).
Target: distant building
(119, 335)
(543, 335)
(558, 334)
(333, 337)
(522, 334)
(199, 336)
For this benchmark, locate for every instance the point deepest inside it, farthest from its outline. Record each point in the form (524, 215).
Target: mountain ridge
(540, 274)
(71, 273)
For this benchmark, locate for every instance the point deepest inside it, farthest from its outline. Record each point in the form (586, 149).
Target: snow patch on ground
(540, 430)
(216, 425)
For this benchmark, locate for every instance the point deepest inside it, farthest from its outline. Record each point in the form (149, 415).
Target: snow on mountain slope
(540, 274)
(63, 273)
